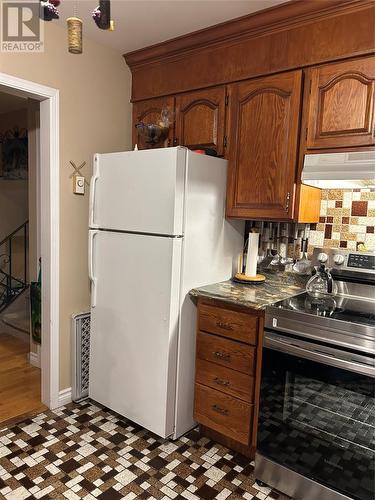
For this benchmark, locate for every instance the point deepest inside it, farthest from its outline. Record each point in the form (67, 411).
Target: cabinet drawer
(232, 324)
(223, 413)
(223, 379)
(228, 353)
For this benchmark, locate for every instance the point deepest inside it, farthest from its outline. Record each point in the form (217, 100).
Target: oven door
(317, 413)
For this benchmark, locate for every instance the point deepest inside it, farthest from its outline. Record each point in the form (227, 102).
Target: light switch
(78, 184)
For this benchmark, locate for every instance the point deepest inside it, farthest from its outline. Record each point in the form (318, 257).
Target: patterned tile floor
(85, 451)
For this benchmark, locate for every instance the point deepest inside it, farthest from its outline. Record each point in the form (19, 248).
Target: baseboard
(34, 358)
(65, 397)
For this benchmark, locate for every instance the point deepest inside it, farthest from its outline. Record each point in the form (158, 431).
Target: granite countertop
(278, 286)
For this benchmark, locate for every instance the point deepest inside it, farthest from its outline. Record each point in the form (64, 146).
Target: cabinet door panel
(200, 119)
(341, 110)
(263, 140)
(149, 112)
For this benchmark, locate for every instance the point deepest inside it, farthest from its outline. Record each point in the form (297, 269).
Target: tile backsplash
(347, 218)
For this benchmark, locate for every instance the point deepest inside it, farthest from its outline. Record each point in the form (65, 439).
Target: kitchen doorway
(48, 191)
(20, 380)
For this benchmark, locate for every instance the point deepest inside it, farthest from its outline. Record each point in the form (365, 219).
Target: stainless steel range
(316, 434)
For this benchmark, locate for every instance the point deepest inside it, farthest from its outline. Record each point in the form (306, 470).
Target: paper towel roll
(252, 254)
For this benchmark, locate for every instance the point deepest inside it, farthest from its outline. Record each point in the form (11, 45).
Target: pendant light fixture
(75, 26)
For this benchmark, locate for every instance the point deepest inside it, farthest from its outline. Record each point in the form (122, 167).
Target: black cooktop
(341, 308)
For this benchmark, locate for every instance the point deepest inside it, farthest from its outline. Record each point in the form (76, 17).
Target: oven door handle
(278, 343)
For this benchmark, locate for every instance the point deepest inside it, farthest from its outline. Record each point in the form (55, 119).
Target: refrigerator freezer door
(139, 191)
(134, 326)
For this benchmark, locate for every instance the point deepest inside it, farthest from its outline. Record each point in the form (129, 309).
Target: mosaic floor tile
(86, 451)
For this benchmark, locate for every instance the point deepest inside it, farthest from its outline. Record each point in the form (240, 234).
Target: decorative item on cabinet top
(154, 134)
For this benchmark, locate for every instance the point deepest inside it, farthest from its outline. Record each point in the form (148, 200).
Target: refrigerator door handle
(92, 277)
(94, 178)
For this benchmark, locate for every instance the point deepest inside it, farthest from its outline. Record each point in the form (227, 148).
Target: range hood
(340, 170)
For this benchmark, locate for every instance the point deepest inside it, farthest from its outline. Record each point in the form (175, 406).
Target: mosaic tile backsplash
(347, 218)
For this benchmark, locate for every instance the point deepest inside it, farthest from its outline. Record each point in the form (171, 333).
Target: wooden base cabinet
(227, 377)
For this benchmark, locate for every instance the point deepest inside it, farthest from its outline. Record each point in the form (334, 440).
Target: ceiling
(9, 103)
(142, 23)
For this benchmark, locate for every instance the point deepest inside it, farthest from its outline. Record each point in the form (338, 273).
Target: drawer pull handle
(220, 410)
(220, 381)
(224, 326)
(222, 355)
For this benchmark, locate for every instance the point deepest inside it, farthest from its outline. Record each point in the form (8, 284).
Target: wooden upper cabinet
(149, 112)
(263, 139)
(341, 107)
(200, 119)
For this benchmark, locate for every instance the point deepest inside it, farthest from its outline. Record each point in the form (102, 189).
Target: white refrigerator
(157, 230)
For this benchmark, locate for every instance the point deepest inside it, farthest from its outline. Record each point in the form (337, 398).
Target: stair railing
(13, 265)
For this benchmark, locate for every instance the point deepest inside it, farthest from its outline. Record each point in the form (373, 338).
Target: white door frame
(50, 222)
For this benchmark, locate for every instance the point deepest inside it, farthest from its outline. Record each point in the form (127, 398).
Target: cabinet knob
(175, 141)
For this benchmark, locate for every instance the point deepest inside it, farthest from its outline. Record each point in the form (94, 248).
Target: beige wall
(94, 117)
(13, 194)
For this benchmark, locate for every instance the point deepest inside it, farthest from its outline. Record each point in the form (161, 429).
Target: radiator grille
(80, 355)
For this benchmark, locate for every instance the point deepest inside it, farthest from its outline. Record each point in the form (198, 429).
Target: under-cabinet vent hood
(340, 170)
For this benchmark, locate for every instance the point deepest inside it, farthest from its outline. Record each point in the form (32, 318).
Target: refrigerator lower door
(134, 326)
(139, 191)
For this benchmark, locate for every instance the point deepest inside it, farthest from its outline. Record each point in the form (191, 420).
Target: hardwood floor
(19, 381)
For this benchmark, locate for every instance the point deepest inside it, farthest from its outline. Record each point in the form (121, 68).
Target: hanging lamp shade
(74, 35)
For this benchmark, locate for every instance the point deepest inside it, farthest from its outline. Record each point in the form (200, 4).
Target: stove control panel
(361, 261)
(345, 260)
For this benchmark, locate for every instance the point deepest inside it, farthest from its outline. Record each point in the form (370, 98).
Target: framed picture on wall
(14, 154)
